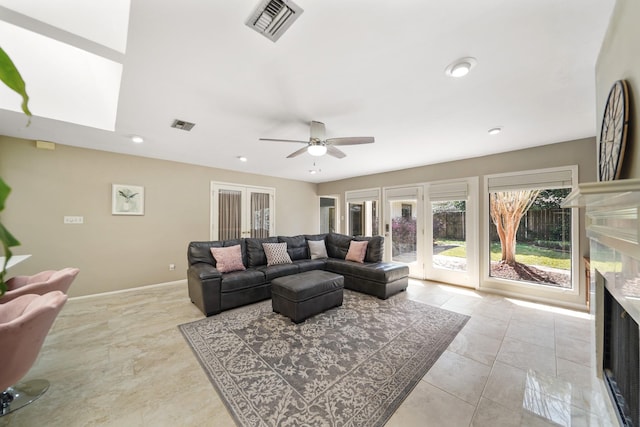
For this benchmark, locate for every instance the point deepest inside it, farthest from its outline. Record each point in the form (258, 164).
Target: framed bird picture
(127, 199)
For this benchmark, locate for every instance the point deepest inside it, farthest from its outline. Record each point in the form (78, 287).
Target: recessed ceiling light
(242, 158)
(495, 131)
(137, 139)
(460, 67)
(313, 171)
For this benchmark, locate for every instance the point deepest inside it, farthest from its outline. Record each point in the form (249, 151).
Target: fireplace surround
(613, 227)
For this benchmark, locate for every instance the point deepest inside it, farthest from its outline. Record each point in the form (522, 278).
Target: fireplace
(621, 355)
(612, 223)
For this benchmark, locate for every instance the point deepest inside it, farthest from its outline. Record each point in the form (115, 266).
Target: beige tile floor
(119, 360)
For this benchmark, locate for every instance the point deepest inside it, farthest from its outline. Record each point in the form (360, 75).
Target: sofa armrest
(203, 281)
(205, 271)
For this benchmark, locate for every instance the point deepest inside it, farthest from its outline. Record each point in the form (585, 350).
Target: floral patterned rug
(349, 366)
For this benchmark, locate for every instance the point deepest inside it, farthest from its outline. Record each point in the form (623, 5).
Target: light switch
(73, 219)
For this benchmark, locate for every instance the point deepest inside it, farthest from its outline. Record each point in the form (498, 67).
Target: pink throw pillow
(357, 251)
(228, 259)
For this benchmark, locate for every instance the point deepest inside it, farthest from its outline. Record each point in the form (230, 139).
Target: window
(406, 210)
(530, 236)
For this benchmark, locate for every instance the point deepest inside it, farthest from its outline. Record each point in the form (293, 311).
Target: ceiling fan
(318, 145)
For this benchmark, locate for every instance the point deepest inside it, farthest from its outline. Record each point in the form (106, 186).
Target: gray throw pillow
(317, 249)
(276, 253)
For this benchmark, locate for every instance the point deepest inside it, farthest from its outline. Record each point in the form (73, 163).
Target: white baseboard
(157, 285)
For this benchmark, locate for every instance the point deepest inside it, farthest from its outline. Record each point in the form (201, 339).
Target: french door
(241, 211)
(403, 228)
(451, 249)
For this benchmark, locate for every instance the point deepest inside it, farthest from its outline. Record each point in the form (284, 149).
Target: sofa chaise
(213, 291)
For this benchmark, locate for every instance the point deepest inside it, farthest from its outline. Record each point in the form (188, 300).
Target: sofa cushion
(296, 246)
(337, 245)
(317, 249)
(255, 252)
(383, 272)
(228, 259)
(375, 248)
(201, 251)
(237, 280)
(322, 236)
(310, 264)
(276, 253)
(279, 270)
(357, 251)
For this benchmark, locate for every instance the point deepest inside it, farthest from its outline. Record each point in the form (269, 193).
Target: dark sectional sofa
(213, 292)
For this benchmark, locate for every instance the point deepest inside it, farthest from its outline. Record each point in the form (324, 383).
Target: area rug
(349, 366)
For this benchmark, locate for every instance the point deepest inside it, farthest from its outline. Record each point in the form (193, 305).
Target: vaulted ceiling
(364, 68)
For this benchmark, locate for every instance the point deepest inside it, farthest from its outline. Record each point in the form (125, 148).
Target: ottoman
(300, 296)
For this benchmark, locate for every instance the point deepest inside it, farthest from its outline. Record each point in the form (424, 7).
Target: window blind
(359, 196)
(533, 180)
(448, 191)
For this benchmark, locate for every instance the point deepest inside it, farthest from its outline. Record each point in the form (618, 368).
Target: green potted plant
(10, 76)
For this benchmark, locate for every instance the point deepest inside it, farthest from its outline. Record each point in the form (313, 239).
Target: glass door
(240, 211)
(403, 228)
(363, 212)
(450, 254)
(328, 214)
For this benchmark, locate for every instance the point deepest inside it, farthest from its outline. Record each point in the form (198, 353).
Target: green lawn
(525, 254)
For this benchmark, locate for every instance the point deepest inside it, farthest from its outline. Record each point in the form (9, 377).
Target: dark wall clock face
(613, 134)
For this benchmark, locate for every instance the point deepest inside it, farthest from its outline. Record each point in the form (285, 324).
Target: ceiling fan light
(317, 150)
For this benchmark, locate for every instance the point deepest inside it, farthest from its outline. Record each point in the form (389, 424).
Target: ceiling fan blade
(333, 151)
(351, 140)
(283, 140)
(317, 131)
(297, 153)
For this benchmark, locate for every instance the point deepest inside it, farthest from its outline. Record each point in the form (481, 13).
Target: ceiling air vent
(273, 17)
(181, 124)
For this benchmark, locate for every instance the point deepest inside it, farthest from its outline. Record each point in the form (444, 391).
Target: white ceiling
(364, 68)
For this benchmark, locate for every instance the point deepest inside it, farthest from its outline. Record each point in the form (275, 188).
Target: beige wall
(580, 152)
(619, 59)
(120, 252)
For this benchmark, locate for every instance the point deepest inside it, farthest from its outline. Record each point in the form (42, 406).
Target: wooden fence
(546, 225)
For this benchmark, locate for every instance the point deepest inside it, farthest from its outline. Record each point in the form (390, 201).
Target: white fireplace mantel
(612, 216)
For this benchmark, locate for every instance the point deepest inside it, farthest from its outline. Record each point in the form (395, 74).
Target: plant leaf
(4, 193)
(10, 75)
(6, 238)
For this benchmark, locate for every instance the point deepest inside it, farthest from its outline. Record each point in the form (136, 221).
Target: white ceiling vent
(181, 124)
(273, 17)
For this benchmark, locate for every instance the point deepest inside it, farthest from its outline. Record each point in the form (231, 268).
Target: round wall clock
(613, 134)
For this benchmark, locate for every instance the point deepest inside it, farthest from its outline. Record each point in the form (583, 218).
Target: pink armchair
(41, 283)
(24, 324)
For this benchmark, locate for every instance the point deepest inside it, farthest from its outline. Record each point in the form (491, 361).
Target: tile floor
(119, 360)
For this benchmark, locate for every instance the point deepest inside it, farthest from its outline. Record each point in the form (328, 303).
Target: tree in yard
(507, 208)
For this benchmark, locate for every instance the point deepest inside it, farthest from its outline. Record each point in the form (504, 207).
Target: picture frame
(127, 199)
